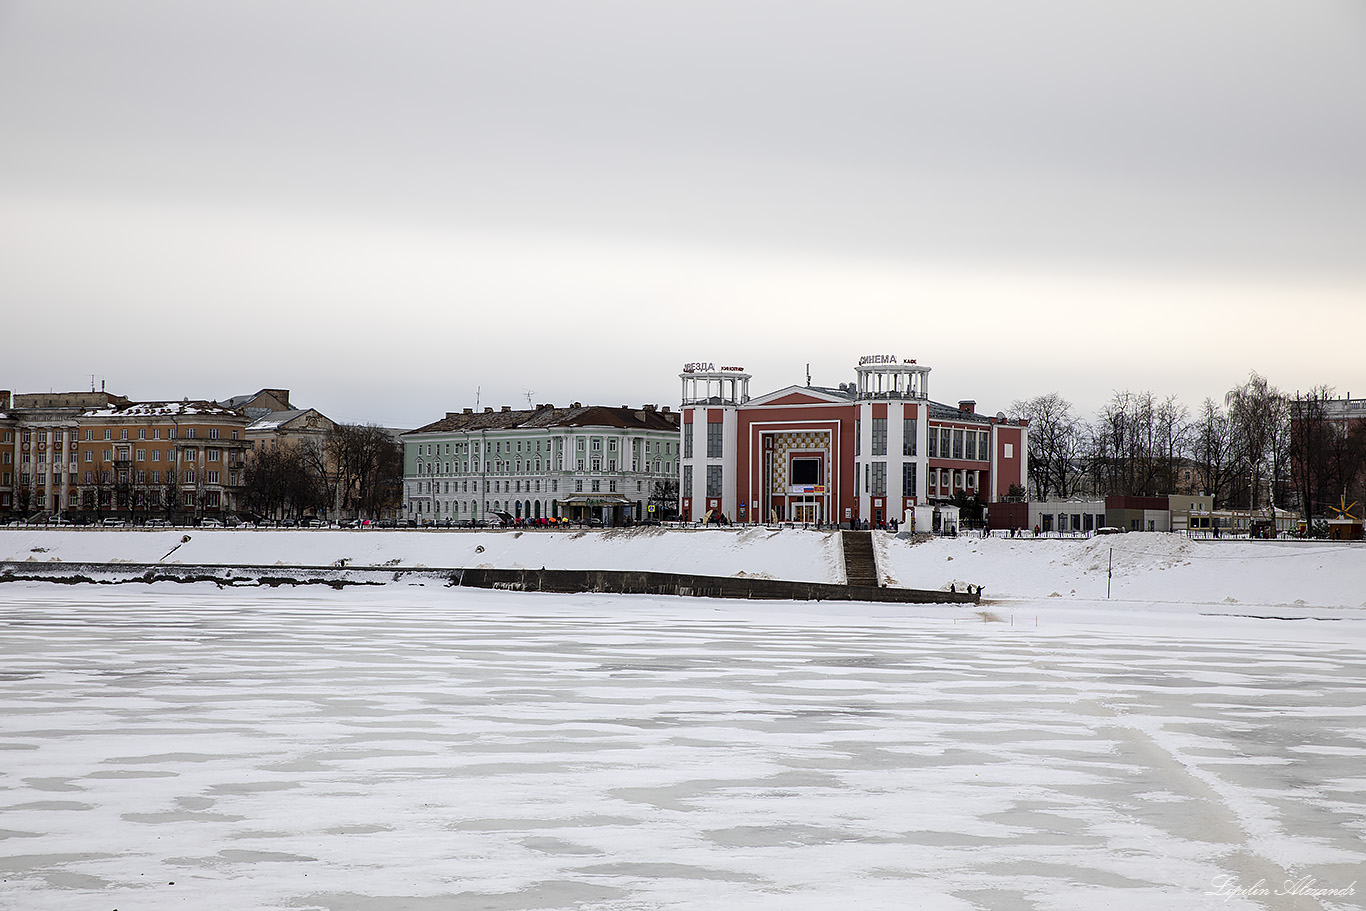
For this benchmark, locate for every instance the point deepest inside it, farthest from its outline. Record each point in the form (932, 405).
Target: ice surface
(184, 747)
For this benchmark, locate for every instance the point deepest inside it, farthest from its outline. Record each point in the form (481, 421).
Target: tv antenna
(527, 393)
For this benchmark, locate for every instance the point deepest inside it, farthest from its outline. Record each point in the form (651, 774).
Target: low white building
(582, 462)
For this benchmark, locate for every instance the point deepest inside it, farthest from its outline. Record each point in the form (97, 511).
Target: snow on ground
(414, 749)
(793, 554)
(1148, 567)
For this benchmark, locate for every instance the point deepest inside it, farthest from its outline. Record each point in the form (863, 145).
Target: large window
(984, 446)
(686, 485)
(858, 436)
(879, 481)
(687, 441)
(944, 434)
(908, 479)
(714, 441)
(806, 471)
(714, 480)
(879, 436)
(908, 434)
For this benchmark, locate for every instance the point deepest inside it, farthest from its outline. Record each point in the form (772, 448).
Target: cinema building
(867, 450)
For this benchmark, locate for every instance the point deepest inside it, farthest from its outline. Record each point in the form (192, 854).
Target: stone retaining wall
(566, 581)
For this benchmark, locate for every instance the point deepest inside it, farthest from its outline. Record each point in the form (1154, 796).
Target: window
(611, 445)
(597, 487)
(189, 433)
(858, 436)
(879, 479)
(908, 434)
(189, 476)
(187, 498)
(156, 455)
(212, 477)
(88, 476)
(714, 442)
(714, 476)
(89, 434)
(578, 487)
(958, 444)
(142, 434)
(213, 433)
(156, 433)
(687, 441)
(611, 486)
(109, 455)
(984, 446)
(123, 434)
(970, 446)
(142, 477)
(140, 455)
(107, 435)
(611, 464)
(880, 437)
(1009, 450)
(908, 479)
(234, 434)
(685, 489)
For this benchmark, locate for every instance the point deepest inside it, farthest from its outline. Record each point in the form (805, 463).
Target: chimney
(577, 405)
(666, 409)
(468, 411)
(507, 407)
(648, 407)
(967, 405)
(488, 409)
(4, 399)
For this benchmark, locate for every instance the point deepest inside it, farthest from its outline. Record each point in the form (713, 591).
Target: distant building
(97, 454)
(581, 462)
(868, 450)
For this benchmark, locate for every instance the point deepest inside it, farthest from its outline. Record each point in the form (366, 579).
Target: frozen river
(184, 747)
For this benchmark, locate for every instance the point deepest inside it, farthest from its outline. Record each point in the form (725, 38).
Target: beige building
(99, 455)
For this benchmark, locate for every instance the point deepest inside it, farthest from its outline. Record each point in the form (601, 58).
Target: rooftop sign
(709, 367)
(883, 359)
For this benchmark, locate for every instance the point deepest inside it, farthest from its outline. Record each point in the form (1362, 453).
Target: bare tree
(1055, 444)
(1254, 408)
(369, 466)
(1212, 451)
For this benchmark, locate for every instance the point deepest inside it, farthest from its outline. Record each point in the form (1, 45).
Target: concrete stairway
(860, 567)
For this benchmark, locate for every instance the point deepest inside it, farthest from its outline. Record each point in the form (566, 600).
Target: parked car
(113, 522)
(210, 523)
(157, 523)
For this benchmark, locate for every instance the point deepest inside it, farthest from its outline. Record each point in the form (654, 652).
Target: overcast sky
(390, 208)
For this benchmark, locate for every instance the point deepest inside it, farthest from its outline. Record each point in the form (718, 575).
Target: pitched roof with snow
(199, 408)
(549, 417)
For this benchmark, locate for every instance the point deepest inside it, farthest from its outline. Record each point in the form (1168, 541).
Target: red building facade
(867, 450)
